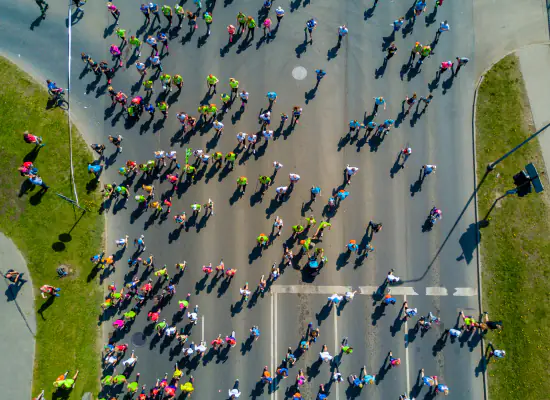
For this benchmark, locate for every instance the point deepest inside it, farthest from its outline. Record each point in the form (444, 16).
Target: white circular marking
(299, 73)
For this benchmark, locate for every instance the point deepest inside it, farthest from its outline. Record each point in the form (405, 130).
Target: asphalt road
(443, 258)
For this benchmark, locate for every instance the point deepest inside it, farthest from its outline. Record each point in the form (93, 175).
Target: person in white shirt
(350, 171)
(335, 299)
(130, 362)
(324, 355)
(392, 278)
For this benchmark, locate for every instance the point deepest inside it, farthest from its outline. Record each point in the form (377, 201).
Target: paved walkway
(503, 26)
(18, 326)
(535, 64)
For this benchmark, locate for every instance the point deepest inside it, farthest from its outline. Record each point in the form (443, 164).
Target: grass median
(50, 232)
(515, 245)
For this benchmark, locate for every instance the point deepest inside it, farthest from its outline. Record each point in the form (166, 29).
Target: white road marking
(436, 291)
(202, 328)
(407, 353)
(336, 346)
(364, 290)
(464, 291)
(275, 340)
(272, 307)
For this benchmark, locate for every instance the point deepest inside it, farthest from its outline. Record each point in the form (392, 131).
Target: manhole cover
(139, 339)
(299, 73)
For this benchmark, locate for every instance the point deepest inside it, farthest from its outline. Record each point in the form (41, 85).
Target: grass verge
(67, 329)
(515, 246)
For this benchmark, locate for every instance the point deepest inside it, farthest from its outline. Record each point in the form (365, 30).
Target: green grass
(515, 246)
(67, 330)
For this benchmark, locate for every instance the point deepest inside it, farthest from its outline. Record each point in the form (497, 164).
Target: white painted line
(308, 289)
(272, 344)
(368, 290)
(336, 346)
(407, 354)
(202, 328)
(436, 291)
(465, 291)
(364, 290)
(403, 291)
(274, 295)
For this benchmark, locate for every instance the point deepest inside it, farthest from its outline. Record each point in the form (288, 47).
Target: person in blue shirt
(353, 125)
(272, 97)
(320, 75)
(352, 246)
(154, 8)
(341, 195)
(315, 190)
(95, 169)
(378, 101)
(144, 8)
(37, 181)
(398, 23)
(52, 87)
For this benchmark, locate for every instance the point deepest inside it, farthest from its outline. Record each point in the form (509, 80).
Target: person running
(427, 100)
(311, 25)
(443, 27)
(428, 169)
(115, 12)
(211, 82)
(392, 49)
(425, 52)
(208, 21)
(429, 381)
(408, 311)
(180, 13)
(460, 61)
(241, 22)
(241, 184)
(350, 171)
(279, 13)
(168, 14)
(397, 24)
(121, 33)
(163, 38)
(296, 114)
(342, 32)
(445, 66)
(378, 101)
(267, 26)
(251, 25)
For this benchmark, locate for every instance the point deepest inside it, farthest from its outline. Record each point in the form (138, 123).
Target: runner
(311, 25)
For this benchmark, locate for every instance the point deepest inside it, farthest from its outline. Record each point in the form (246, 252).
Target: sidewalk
(18, 326)
(503, 26)
(535, 63)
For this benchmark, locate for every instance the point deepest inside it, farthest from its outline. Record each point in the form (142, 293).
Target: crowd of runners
(158, 285)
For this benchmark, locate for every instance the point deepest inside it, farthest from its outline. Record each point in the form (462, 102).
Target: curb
(476, 214)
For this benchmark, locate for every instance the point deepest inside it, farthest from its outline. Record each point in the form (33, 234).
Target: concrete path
(534, 64)
(503, 26)
(19, 325)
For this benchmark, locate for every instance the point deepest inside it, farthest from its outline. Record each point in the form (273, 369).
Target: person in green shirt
(65, 383)
(134, 41)
(211, 81)
(166, 82)
(311, 221)
(123, 190)
(208, 19)
(167, 11)
(241, 20)
(241, 183)
(296, 230)
(265, 181)
(121, 33)
(130, 315)
(163, 107)
(107, 380)
(140, 198)
(321, 228)
(132, 112)
(148, 86)
(251, 24)
(230, 159)
(234, 84)
(218, 158)
(180, 13)
(160, 327)
(212, 110)
(178, 81)
(119, 379)
(132, 387)
(190, 171)
(196, 208)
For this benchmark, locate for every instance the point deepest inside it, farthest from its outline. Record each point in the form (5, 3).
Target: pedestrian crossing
(369, 290)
